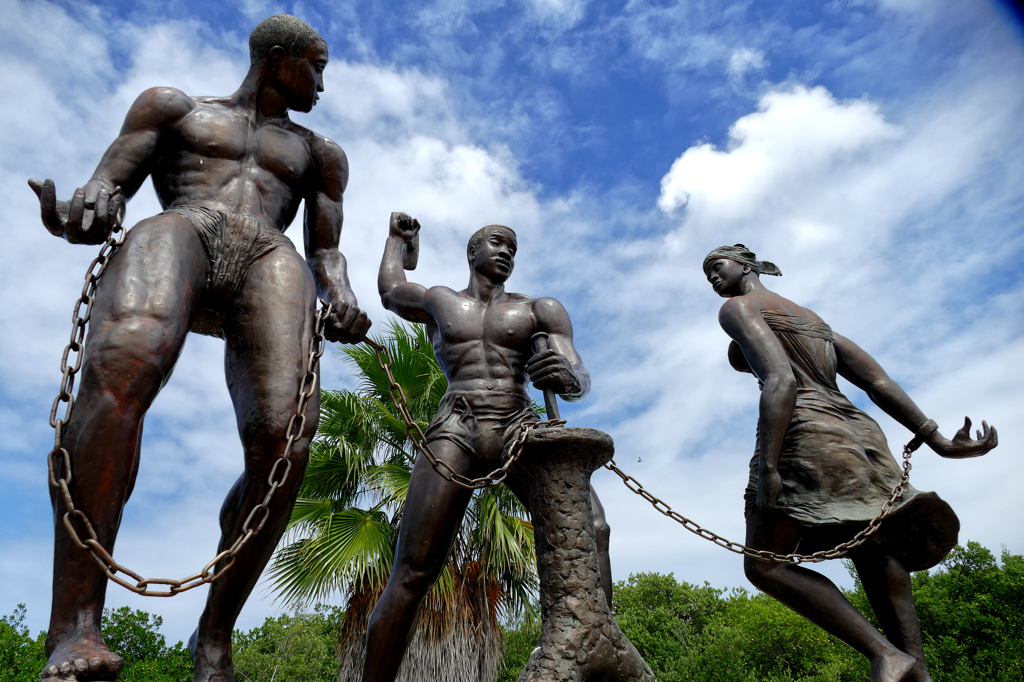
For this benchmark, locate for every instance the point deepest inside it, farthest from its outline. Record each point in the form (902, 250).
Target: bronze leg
(603, 533)
(431, 519)
(268, 333)
(888, 586)
(816, 598)
(143, 310)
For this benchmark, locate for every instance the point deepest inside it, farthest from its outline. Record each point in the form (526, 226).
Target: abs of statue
(230, 173)
(482, 339)
(822, 469)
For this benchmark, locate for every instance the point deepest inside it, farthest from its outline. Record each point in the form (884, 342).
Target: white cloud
(745, 59)
(559, 14)
(795, 135)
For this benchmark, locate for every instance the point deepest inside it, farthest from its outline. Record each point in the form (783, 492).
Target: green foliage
(521, 639)
(134, 635)
(21, 656)
(290, 648)
(658, 615)
(779, 644)
(970, 611)
(972, 615)
(703, 634)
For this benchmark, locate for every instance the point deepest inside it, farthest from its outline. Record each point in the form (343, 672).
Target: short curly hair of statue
(291, 33)
(478, 238)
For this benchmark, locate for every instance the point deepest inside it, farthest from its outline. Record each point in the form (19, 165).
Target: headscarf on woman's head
(745, 256)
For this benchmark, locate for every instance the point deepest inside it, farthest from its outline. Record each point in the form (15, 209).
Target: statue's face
(495, 258)
(302, 78)
(725, 276)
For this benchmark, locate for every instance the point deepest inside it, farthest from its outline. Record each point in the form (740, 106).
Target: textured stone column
(580, 640)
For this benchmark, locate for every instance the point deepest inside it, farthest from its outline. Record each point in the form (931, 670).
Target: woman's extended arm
(861, 370)
(741, 319)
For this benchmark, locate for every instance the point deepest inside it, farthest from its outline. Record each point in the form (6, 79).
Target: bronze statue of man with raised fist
(482, 339)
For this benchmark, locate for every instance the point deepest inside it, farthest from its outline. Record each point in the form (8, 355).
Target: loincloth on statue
(482, 423)
(233, 243)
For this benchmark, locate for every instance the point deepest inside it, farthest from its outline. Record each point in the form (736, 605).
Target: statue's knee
(264, 439)
(759, 573)
(415, 581)
(133, 350)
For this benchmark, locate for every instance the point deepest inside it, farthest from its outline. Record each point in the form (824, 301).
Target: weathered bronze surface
(822, 470)
(482, 338)
(230, 173)
(580, 639)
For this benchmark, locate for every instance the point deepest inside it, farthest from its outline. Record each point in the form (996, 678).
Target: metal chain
(515, 448)
(764, 555)
(60, 459)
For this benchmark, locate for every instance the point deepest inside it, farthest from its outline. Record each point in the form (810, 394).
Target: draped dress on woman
(836, 467)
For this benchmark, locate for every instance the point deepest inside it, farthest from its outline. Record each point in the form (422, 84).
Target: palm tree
(344, 527)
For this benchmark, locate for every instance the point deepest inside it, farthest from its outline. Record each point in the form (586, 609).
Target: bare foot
(82, 656)
(212, 662)
(892, 667)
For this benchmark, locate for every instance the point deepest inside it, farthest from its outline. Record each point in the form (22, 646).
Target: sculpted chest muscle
(489, 344)
(213, 139)
(507, 325)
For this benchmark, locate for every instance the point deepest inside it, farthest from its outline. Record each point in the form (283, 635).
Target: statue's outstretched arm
(406, 299)
(93, 209)
(864, 372)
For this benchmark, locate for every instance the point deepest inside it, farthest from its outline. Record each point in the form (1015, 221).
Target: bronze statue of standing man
(230, 173)
(482, 339)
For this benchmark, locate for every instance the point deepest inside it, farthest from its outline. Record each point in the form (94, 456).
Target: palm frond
(350, 548)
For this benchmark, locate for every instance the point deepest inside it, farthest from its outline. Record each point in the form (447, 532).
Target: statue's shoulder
(548, 310)
(442, 292)
(329, 157)
(161, 105)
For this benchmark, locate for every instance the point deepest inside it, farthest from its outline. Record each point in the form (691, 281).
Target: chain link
(515, 448)
(764, 555)
(59, 460)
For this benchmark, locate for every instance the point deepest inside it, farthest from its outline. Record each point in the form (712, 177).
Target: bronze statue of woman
(822, 470)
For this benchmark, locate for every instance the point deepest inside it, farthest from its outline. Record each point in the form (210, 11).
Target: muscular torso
(482, 347)
(218, 157)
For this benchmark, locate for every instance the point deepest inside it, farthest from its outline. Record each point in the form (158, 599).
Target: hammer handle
(540, 344)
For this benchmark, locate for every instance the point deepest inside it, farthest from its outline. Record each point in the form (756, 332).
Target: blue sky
(871, 148)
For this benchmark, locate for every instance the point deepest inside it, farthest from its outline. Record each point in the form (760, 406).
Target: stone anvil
(580, 640)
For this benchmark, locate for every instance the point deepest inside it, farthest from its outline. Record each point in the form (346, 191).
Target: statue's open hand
(87, 219)
(551, 369)
(963, 446)
(769, 487)
(346, 323)
(404, 226)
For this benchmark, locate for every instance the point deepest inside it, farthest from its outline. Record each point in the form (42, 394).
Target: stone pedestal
(580, 640)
